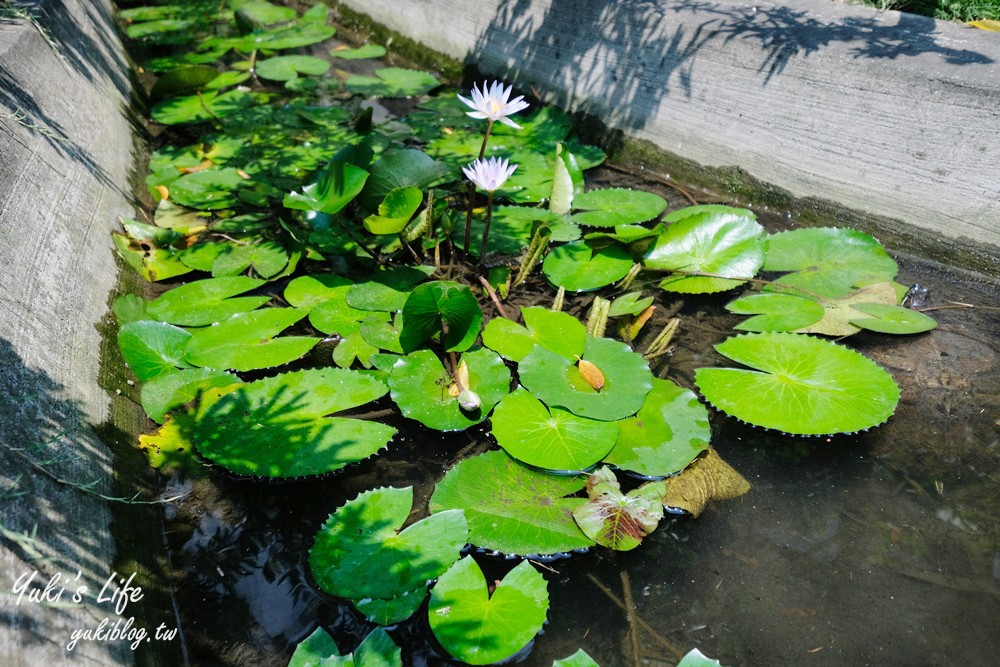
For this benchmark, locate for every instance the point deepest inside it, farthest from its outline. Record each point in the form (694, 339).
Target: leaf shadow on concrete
(616, 60)
(54, 68)
(50, 526)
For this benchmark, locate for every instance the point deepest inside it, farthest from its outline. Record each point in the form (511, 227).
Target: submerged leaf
(614, 519)
(707, 479)
(481, 629)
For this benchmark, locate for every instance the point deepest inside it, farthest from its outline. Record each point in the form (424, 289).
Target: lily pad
(631, 303)
(335, 316)
(396, 169)
(670, 430)
(556, 331)
(578, 659)
(182, 80)
(392, 82)
(707, 479)
(335, 187)
(208, 190)
(557, 382)
(319, 650)
(395, 211)
(420, 387)
(266, 258)
(775, 311)
(172, 390)
(728, 245)
(302, 33)
(614, 519)
(306, 292)
(277, 427)
(153, 348)
(198, 108)
(512, 508)
(553, 439)
(360, 53)
(616, 206)
(247, 341)
(151, 263)
(286, 68)
(481, 629)
(363, 552)
(828, 262)
(695, 658)
(354, 347)
(441, 307)
(204, 302)
(799, 385)
(580, 267)
(387, 290)
(838, 313)
(394, 610)
(892, 319)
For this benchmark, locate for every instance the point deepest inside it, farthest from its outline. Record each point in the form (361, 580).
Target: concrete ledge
(66, 155)
(887, 114)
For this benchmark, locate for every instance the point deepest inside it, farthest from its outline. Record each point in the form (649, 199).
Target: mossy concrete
(66, 153)
(837, 114)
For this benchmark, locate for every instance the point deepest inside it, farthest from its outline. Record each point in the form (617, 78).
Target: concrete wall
(66, 151)
(885, 113)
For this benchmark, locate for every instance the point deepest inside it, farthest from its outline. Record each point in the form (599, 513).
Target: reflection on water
(881, 548)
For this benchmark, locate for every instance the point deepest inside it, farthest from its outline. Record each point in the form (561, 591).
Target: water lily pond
(433, 382)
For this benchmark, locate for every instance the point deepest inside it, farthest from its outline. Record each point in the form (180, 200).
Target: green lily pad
(306, 292)
(628, 234)
(774, 311)
(631, 303)
(481, 629)
(334, 188)
(363, 552)
(354, 347)
(182, 80)
(579, 267)
(149, 234)
(335, 316)
(511, 508)
(419, 385)
(395, 211)
(277, 427)
(618, 520)
(182, 220)
(208, 190)
(670, 430)
(828, 262)
(892, 319)
(153, 348)
(396, 169)
(392, 82)
(204, 302)
(381, 333)
(728, 245)
(151, 263)
(838, 313)
(360, 53)
(441, 307)
(202, 256)
(168, 391)
(266, 258)
(198, 108)
(376, 650)
(130, 308)
(286, 68)
(557, 382)
(617, 206)
(799, 385)
(394, 610)
(303, 33)
(556, 331)
(247, 341)
(387, 290)
(550, 439)
(314, 650)
(257, 14)
(578, 659)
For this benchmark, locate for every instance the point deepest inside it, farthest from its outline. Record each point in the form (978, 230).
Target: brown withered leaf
(708, 478)
(591, 373)
(639, 321)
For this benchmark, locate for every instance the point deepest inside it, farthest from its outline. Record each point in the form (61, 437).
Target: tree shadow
(616, 60)
(85, 45)
(49, 524)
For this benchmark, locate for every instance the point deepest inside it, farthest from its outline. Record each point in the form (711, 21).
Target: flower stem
(472, 191)
(486, 231)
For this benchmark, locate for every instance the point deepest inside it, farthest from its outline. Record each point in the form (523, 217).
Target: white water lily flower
(489, 175)
(495, 104)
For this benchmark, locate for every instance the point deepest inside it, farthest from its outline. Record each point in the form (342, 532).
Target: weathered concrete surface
(65, 157)
(885, 113)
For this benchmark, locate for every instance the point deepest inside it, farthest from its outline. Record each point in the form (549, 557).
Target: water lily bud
(469, 400)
